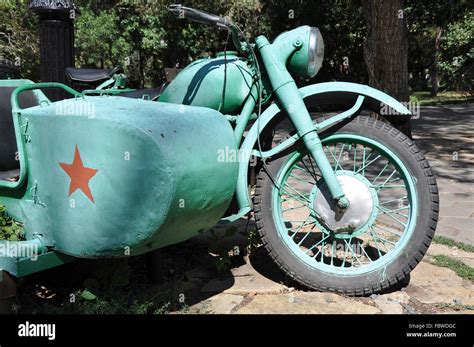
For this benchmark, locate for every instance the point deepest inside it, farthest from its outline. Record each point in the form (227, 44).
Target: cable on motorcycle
(260, 98)
(225, 72)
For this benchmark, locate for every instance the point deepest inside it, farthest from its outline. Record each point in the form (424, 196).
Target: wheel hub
(359, 214)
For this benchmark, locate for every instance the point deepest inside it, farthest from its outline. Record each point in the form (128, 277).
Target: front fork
(290, 98)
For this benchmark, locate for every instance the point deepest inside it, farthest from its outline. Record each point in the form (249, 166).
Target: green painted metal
(117, 82)
(14, 98)
(319, 126)
(346, 93)
(245, 115)
(329, 268)
(28, 266)
(19, 125)
(111, 91)
(106, 176)
(20, 267)
(157, 183)
(298, 49)
(10, 249)
(42, 98)
(344, 115)
(202, 84)
(335, 92)
(275, 59)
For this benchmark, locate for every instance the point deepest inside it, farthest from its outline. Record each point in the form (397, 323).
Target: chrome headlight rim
(315, 51)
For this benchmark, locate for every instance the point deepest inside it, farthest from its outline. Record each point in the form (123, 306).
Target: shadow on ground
(194, 271)
(445, 135)
(122, 286)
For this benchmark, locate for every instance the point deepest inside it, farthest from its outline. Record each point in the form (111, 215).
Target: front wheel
(379, 239)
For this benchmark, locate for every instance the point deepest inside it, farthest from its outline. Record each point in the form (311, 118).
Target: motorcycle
(345, 203)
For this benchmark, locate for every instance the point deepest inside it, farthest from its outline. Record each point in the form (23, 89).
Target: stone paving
(445, 134)
(254, 285)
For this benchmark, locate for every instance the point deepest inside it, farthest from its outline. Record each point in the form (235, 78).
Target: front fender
(346, 93)
(337, 93)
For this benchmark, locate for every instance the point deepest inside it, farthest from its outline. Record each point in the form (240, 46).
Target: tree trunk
(434, 66)
(386, 50)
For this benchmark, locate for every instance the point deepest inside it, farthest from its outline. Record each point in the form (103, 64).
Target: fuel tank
(113, 176)
(202, 84)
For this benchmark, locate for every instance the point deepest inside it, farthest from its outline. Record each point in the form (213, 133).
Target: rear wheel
(380, 238)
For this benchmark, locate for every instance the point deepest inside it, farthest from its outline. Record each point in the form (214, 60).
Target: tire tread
(404, 272)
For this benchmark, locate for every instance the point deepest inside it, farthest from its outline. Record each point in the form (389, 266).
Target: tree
(440, 36)
(456, 61)
(18, 37)
(386, 49)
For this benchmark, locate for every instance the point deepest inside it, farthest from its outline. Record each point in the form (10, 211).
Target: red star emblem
(79, 174)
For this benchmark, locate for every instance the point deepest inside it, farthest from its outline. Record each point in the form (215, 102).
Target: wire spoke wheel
(378, 189)
(378, 239)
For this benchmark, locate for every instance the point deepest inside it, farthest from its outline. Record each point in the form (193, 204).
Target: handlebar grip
(199, 16)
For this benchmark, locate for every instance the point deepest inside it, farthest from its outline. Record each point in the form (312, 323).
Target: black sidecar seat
(8, 148)
(91, 76)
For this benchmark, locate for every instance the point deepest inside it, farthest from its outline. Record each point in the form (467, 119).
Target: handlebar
(199, 16)
(15, 100)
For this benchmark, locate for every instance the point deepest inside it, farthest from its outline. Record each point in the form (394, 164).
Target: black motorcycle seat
(91, 75)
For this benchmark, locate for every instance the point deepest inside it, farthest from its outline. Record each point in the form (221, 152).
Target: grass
(455, 306)
(127, 293)
(453, 243)
(118, 304)
(119, 286)
(450, 97)
(461, 269)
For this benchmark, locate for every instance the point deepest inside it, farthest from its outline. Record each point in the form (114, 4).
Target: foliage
(112, 286)
(145, 38)
(443, 98)
(222, 250)
(18, 38)
(453, 243)
(107, 276)
(457, 54)
(253, 240)
(120, 303)
(342, 26)
(461, 269)
(455, 20)
(94, 29)
(10, 229)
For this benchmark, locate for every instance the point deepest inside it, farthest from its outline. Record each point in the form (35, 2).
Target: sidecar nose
(125, 174)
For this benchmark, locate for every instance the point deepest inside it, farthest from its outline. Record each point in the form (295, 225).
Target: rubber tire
(398, 270)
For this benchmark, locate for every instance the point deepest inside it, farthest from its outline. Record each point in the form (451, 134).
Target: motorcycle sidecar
(107, 176)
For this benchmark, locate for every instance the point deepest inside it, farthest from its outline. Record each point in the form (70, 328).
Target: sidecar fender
(337, 93)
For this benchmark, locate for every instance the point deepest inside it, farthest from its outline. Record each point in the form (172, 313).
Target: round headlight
(316, 52)
(307, 60)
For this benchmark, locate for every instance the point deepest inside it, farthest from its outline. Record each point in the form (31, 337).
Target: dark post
(56, 31)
